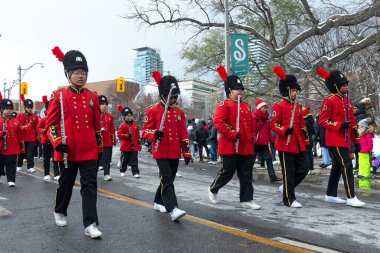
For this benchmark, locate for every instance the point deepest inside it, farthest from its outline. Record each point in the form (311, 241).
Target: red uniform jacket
(13, 137)
(81, 120)
(175, 136)
(41, 130)
(29, 133)
(225, 122)
(108, 130)
(262, 128)
(331, 117)
(280, 121)
(126, 142)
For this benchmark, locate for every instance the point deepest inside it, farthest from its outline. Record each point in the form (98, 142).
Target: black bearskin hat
(28, 103)
(6, 104)
(126, 111)
(165, 84)
(333, 80)
(286, 81)
(230, 81)
(14, 115)
(74, 60)
(103, 100)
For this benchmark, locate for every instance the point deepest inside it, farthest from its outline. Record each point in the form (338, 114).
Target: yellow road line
(214, 225)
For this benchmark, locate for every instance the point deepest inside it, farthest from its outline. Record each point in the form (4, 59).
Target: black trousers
(295, 167)
(243, 165)
(341, 165)
(29, 154)
(9, 163)
(129, 158)
(309, 152)
(202, 145)
(88, 181)
(48, 153)
(38, 149)
(263, 151)
(165, 194)
(106, 159)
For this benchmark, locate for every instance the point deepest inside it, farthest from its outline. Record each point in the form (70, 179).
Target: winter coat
(360, 113)
(201, 134)
(212, 134)
(261, 124)
(366, 143)
(309, 121)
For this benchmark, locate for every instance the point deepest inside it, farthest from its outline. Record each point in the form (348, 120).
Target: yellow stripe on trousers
(345, 173)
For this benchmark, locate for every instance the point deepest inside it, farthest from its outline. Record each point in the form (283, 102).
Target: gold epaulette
(279, 101)
(149, 107)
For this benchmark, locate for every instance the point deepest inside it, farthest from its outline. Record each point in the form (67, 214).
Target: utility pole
(227, 37)
(19, 88)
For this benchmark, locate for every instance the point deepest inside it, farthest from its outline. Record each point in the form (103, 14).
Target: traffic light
(24, 88)
(120, 84)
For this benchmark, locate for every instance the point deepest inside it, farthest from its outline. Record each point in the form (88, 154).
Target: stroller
(376, 165)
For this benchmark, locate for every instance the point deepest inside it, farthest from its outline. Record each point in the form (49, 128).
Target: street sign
(24, 88)
(120, 84)
(239, 54)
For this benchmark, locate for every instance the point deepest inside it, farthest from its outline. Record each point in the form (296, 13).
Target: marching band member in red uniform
(29, 122)
(81, 127)
(108, 135)
(11, 143)
(129, 134)
(240, 160)
(337, 117)
(172, 139)
(291, 138)
(47, 148)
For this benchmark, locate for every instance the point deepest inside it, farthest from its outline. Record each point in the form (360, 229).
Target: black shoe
(324, 165)
(274, 180)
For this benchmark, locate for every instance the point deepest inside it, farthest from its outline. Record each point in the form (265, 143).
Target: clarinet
(4, 131)
(164, 115)
(237, 125)
(63, 132)
(130, 134)
(346, 112)
(292, 119)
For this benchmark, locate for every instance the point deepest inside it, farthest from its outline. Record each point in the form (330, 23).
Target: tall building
(147, 60)
(260, 54)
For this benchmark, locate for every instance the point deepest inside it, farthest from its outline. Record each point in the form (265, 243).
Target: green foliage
(205, 55)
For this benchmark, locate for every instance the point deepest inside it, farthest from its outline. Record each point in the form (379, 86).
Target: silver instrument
(164, 115)
(63, 132)
(292, 119)
(237, 125)
(131, 134)
(5, 130)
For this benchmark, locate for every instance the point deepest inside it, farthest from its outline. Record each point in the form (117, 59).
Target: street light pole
(227, 37)
(20, 76)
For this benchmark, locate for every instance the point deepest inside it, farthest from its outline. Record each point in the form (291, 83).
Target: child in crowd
(365, 152)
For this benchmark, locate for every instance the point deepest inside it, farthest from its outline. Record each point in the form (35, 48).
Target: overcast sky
(31, 28)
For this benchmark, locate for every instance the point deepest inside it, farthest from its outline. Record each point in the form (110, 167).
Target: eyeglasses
(176, 96)
(80, 73)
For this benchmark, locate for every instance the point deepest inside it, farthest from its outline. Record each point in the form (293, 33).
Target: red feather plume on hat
(44, 99)
(120, 108)
(157, 76)
(279, 72)
(58, 53)
(22, 97)
(306, 111)
(222, 73)
(323, 73)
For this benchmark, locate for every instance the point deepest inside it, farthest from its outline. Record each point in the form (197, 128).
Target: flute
(63, 133)
(237, 125)
(130, 134)
(346, 112)
(4, 131)
(292, 119)
(164, 115)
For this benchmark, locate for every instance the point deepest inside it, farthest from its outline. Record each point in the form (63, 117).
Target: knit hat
(260, 103)
(363, 123)
(230, 81)
(165, 84)
(333, 80)
(286, 81)
(306, 111)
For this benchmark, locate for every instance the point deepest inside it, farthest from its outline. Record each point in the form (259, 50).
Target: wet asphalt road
(129, 224)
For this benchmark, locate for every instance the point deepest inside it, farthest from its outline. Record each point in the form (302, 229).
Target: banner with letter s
(239, 54)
